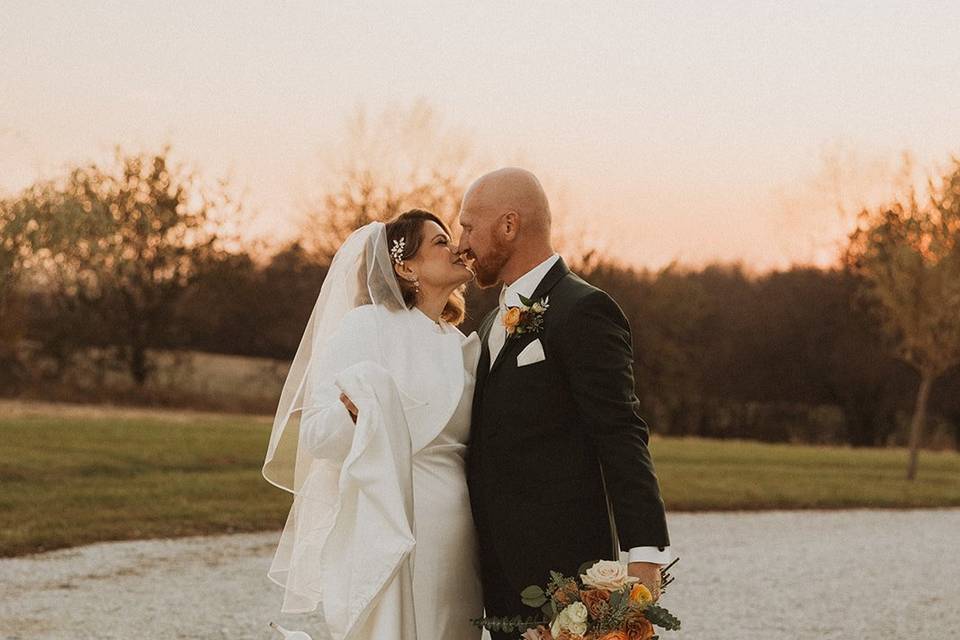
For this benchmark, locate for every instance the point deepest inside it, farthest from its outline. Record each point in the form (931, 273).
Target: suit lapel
(483, 366)
(554, 275)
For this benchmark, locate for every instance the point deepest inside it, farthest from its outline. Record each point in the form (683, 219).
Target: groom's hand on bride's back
(351, 408)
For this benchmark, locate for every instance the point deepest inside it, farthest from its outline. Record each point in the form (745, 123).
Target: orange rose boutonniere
(527, 318)
(512, 319)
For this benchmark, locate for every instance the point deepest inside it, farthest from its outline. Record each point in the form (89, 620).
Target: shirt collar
(526, 284)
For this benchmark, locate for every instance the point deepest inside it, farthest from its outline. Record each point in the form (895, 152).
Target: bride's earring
(416, 286)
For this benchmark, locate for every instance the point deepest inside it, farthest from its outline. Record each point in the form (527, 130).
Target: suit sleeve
(597, 353)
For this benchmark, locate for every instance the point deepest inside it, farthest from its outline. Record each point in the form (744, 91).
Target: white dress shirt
(510, 294)
(524, 286)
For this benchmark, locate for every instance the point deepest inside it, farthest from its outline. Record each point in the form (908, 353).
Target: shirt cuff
(656, 555)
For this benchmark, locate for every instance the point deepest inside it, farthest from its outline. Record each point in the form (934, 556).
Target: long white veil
(361, 273)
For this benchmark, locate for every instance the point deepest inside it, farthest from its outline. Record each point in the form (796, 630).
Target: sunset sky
(690, 131)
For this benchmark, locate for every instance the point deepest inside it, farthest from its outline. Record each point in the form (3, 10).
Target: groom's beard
(487, 270)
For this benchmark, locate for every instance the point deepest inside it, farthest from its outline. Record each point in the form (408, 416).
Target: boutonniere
(527, 318)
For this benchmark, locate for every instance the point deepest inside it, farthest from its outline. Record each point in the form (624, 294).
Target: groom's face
(482, 246)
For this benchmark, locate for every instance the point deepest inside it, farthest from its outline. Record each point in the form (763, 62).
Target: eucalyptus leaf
(531, 592)
(615, 599)
(539, 601)
(661, 617)
(586, 565)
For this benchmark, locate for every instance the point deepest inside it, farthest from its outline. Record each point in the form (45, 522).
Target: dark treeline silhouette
(787, 356)
(107, 265)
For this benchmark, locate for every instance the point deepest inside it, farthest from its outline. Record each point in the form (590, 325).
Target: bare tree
(908, 254)
(403, 159)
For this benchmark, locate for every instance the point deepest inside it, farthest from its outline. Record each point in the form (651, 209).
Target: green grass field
(67, 481)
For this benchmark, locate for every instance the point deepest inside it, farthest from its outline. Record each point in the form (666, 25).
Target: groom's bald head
(511, 189)
(506, 225)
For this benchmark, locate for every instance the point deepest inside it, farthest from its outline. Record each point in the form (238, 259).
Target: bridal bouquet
(604, 604)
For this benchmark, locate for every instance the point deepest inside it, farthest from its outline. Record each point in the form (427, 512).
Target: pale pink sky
(687, 131)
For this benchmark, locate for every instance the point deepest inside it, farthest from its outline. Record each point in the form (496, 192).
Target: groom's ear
(510, 223)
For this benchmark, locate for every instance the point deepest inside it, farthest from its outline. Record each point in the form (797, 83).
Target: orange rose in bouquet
(637, 627)
(596, 601)
(567, 593)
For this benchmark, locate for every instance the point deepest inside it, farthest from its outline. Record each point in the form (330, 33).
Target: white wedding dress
(380, 537)
(446, 571)
(387, 525)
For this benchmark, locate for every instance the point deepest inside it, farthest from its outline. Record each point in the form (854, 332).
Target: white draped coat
(349, 539)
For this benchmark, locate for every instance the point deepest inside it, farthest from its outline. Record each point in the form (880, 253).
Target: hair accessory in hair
(397, 250)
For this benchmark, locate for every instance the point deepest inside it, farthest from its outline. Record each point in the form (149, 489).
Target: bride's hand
(352, 408)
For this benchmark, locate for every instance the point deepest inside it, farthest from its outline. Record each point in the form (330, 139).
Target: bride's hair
(408, 226)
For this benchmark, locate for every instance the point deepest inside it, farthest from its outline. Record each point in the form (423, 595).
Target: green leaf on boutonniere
(527, 302)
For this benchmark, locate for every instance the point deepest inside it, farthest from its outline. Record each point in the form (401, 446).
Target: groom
(557, 465)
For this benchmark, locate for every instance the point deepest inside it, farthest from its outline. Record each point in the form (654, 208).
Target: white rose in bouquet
(608, 574)
(572, 619)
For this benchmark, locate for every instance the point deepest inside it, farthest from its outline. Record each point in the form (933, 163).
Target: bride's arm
(326, 424)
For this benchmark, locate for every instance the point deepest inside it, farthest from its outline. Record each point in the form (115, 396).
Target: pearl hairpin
(396, 252)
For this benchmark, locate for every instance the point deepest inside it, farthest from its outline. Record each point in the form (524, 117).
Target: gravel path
(748, 576)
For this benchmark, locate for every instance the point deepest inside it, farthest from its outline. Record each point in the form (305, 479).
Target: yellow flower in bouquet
(640, 594)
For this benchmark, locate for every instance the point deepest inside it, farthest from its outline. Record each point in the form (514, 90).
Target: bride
(370, 437)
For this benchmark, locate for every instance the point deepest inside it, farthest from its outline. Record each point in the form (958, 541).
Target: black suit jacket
(546, 436)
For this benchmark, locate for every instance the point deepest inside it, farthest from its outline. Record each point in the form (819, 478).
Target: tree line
(135, 257)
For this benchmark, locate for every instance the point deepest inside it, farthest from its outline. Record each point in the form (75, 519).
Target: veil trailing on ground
(361, 273)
